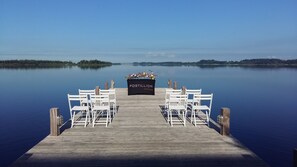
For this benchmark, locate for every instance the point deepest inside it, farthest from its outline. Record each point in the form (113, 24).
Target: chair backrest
(100, 100)
(175, 99)
(86, 92)
(203, 97)
(78, 99)
(191, 92)
(170, 91)
(110, 92)
(173, 90)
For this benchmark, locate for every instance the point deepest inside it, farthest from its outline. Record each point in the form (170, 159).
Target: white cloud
(160, 54)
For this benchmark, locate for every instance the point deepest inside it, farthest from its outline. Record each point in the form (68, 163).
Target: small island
(93, 64)
(30, 64)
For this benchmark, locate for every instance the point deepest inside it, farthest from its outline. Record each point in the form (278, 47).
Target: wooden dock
(140, 136)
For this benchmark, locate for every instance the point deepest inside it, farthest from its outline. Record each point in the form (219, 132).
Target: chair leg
(86, 120)
(110, 116)
(72, 119)
(107, 118)
(191, 117)
(90, 116)
(184, 117)
(207, 118)
(171, 123)
(115, 105)
(195, 121)
(167, 116)
(114, 109)
(94, 118)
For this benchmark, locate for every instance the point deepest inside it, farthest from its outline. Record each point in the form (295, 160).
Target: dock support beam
(111, 84)
(175, 85)
(184, 90)
(106, 85)
(97, 90)
(295, 157)
(169, 84)
(225, 121)
(55, 122)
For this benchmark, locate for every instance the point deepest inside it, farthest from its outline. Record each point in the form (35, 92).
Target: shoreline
(96, 64)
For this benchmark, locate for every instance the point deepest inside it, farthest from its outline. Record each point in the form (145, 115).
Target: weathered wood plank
(140, 136)
(136, 160)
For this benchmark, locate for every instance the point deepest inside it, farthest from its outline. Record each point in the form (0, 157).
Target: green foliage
(34, 64)
(94, 64)
(52, 64)
(214, 63)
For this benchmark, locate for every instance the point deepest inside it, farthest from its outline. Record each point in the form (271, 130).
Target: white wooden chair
(168, 92)
(201, 109)
(177, 105)
(100, 108)
(190, 94)
(112, 99)
(77, 109)
(87, 92)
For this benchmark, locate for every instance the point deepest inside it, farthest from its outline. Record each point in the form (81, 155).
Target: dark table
(141, 86)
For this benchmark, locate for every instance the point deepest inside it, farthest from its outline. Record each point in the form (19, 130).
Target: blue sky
(148, 30)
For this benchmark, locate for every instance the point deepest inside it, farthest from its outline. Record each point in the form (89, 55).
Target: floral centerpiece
(142, 75)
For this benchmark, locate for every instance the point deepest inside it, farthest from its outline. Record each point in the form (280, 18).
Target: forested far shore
(246, 62)
(95, 64)
(52, 64)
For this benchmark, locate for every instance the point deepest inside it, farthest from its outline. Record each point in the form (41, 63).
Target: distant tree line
(246, 62)
(95, 64)
(268, 62)
(34, 64)
(52, 64)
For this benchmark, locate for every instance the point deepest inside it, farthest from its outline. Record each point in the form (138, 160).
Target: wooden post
(106, 85)
(225, 124)
(111, 84)
(169, 84)
(183, 90)
(97, 90)
(175, 85)
(295, 157)
(55, 129)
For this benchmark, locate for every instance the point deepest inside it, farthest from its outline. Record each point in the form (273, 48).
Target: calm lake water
(263, 103)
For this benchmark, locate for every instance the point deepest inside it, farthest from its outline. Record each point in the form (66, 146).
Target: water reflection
(262, 102)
